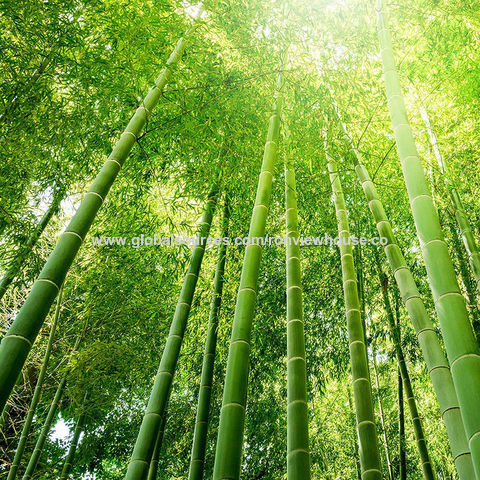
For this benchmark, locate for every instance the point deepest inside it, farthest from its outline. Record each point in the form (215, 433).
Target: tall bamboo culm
(394, 331)
(153, 469)
(147, 436)
(12, 474)
(427, 337)
(362, 391)
(232, 415)
(298, 452)
(199, 445)
(462, 219)
(18, 341)
(461, 346)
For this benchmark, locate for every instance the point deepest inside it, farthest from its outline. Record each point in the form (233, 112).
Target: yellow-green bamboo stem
(199, 445)
(232, 415)
(460, 214)
(462, 349)
(298, 453)
(362, 391)
(147, 436)
(12, 474)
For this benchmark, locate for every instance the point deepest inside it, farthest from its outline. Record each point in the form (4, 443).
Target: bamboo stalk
(199, 445)
(462, 349)
(232, 415)
(369, 454)
(298, 452)
(12, 474)
(145, 444)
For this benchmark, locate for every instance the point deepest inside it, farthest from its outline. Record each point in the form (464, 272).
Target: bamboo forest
(239, 239)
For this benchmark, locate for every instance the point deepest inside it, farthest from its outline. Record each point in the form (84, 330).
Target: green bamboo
(401, 430)
(145, 444)
(153, 469)
(355, 438)
(466, 233)
(52, 411)
(366, 428)
(298, 454)
(467, 280)
(199, 445)
(401, 410)
(402, 365)
(25, 250)
(232, 415)
(427, 337)
(12, 474)
(386, 443)
(462, 349)
(19, 339)
(68, 465)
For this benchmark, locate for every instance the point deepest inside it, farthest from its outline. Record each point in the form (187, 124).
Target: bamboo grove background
(73, 73)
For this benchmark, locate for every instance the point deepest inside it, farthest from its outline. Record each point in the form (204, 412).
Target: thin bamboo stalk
(12, 474)
(232, 415)
(199, 445)
(298, 452)
(367, 432)
(145, 444)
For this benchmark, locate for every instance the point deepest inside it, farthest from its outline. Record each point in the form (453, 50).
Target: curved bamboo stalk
(298, 453)
(12, 474)
(197, 459)
(427, 337)
(25, 250)
(367, 431)
(232, 415)
(18, 341)
(145, 444)
(462, 348)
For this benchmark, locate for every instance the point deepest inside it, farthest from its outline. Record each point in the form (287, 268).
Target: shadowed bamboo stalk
(68, 465)
(394, 331)
(401, 430)
(12, 474)
(18, 341)
(298, 454)
(146, 439)
(366, 428)
(386, 443)
(52, 411)
(427, 337)
(232, 415)
(461, 346)
(153, 469)
(460, 214)
(199, 445)
(25, 250)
